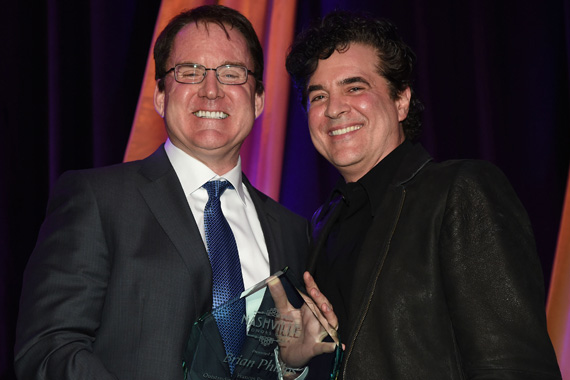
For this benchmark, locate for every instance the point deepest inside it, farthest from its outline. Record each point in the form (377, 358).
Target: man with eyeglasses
(121, 269)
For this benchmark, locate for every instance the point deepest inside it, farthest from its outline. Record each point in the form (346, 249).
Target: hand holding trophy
(301, 331)
(285, 331)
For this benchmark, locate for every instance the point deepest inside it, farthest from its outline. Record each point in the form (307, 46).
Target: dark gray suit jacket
(120, 273)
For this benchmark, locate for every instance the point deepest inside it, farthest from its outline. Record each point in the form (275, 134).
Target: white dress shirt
(239, 211)
(237, 207)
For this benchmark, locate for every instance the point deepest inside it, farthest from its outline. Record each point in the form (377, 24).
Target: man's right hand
(301, 331)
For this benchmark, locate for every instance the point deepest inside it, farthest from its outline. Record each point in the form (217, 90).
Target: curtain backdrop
(493, 75)
(558, 306)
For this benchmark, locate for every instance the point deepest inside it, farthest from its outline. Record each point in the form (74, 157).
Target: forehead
(208, 44)
(358, 60)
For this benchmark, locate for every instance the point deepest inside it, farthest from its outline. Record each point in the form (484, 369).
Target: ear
(403, 104)
(159, 100)
(259, 103)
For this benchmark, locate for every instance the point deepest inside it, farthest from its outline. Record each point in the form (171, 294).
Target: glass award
(281, 324)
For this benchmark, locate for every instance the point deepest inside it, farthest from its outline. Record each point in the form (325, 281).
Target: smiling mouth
(211, 114)
(342, 131)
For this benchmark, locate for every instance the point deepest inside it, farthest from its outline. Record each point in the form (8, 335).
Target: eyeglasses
(192, 73)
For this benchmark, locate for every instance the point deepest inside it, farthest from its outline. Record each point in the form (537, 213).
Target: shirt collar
(377, 180)
(193, 174)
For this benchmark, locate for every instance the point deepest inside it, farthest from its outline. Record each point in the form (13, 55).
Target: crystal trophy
(281, 324)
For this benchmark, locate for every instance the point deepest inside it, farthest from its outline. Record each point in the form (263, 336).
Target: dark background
(493, 75)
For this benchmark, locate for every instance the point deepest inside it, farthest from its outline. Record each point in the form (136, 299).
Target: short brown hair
(215, 14)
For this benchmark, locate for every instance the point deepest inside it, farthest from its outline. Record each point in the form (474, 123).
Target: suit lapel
(269, 226)
(166, 200)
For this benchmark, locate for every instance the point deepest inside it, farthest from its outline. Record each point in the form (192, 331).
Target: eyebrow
(342, 82)
(234, 63)
(314, 87)
(353, 80)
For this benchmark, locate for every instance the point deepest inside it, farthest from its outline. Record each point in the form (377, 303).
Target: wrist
(286, 372)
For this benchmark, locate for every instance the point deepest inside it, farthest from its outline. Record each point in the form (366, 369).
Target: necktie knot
(215, 189)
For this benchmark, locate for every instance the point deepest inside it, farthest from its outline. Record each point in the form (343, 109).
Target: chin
(345, 160)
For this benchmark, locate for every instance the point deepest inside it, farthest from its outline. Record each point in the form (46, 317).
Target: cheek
(174, 100)
(314, 131)
(314, 118)
(366, 102)
(319, 139)
(241, 94)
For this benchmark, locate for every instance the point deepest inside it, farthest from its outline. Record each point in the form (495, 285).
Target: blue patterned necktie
(226, 269)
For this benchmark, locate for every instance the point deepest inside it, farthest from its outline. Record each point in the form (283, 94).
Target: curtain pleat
(558, 306)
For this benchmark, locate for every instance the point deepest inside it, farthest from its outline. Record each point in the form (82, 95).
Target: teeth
(342, 131)
(211, 115)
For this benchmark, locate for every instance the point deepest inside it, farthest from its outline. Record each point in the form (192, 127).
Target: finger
(309, 281)
(330, 316)
(329, 324)
(278, 293)
(313, 290)
(324, 347)
(324, 305)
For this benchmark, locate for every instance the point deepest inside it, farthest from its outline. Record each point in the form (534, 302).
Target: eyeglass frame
(206, 69)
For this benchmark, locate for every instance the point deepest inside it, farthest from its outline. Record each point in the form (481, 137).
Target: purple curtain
(493, 75)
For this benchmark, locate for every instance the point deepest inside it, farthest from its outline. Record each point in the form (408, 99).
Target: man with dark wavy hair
(431, 267)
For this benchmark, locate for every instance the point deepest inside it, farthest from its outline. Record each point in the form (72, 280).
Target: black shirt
(335, 268)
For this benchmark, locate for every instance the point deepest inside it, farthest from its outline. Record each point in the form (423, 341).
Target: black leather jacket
(456, 291)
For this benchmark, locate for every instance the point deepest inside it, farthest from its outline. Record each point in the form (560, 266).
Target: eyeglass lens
(226, 74)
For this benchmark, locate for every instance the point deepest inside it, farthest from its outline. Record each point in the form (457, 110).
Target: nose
(336, 107)
(210, 87)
